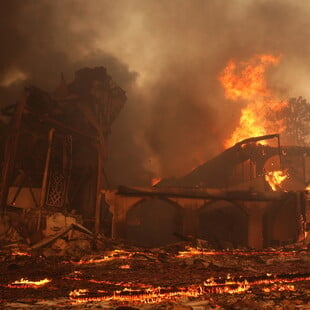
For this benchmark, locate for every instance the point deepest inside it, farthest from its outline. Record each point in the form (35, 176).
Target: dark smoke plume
(167, 55)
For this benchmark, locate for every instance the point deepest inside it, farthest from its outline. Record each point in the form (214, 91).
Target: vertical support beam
(11, 150)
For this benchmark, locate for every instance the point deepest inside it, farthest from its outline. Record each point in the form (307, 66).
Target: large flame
(245, 82)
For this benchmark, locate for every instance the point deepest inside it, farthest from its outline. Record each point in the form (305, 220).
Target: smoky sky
(167, 55)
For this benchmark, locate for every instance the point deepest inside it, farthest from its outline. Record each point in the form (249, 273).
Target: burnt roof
(216, 172)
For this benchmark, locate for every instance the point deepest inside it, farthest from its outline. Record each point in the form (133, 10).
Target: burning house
(231, 200)
(252, 194)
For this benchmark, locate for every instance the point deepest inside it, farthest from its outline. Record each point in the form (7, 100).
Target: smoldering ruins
(154, 155)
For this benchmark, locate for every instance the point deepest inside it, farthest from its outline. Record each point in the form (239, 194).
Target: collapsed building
(227, 201)
(53, 149)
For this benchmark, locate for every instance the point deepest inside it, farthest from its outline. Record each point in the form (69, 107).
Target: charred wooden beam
(204, 193)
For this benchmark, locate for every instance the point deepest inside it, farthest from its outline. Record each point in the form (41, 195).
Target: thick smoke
(167, 55)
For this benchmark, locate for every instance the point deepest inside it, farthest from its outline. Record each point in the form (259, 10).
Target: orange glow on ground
(112, 255)
(156, 295)
(191, 252)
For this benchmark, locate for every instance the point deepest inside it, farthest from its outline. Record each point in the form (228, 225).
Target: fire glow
(275, 178)
(136, 293)
(245, 82)
(148, 296)
(117, 292)
(191, 252)
(280, 288)
(115, 254)
(18, 253)
(155, 181)
(25, 283)
(156, 295)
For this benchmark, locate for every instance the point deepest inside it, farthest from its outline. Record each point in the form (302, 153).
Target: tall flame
(245, 82)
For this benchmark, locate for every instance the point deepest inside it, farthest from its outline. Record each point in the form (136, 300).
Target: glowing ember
(125, 267)
(150, 295)
(277, 287)
(190, 251)
(18, 253)
(144, 294)
(24, 283)
(275, 178)
(155, 181)
(77, 293)
(116, 254)
(245, 82)
(229, 286)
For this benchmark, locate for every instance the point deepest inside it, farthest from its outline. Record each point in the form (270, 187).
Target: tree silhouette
(296, 119)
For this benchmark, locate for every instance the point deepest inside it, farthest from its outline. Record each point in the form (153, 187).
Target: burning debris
(174, 276)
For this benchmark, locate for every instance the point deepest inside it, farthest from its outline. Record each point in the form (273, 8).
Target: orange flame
(152, 295)
(112, 255)
(277, 287)
(155, 181)
(245, 81)
(24, 283)
(19, 253)
(275, 178)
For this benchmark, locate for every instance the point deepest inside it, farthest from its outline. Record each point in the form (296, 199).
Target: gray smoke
(167, 55)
